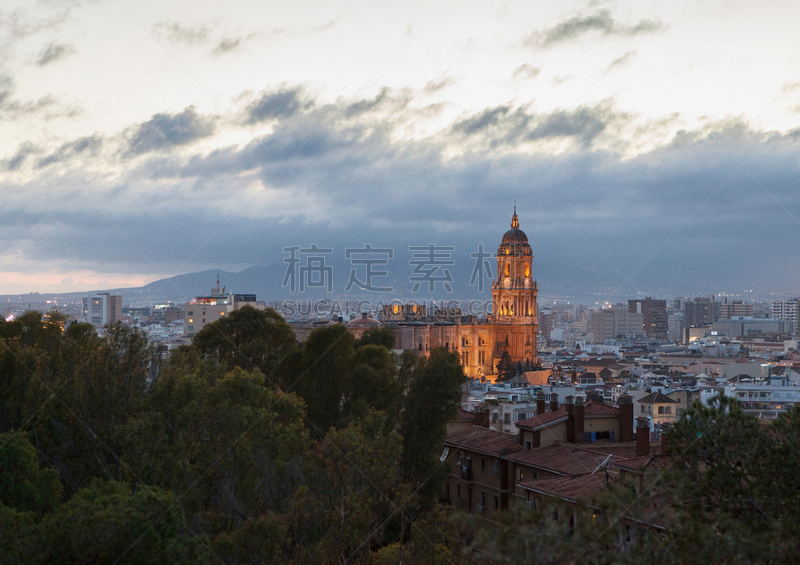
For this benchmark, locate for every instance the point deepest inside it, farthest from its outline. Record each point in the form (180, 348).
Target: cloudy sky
(652, 147)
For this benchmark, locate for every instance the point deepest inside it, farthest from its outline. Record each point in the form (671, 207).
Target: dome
(363, 322)
(514, 235)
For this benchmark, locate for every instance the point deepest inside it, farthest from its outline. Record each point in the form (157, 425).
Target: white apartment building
(102, 309)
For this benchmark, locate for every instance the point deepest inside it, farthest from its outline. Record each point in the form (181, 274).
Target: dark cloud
(579, 25)
(88, 145)
(384, 99)
(54, 52)
(177, 32)
(16, 161)
(281, 104)
(164, 131)
(525, 71)
(487, 118)
(504, 125)
(47, 107)
(685, 217)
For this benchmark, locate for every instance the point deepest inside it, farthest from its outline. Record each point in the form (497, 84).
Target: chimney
(541, 405)
(642, 437)
(664, 438)
(553, 402)
(570, 404)
(625, 403)
(579, 419)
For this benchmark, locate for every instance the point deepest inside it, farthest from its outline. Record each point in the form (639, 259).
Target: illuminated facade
(480, 343)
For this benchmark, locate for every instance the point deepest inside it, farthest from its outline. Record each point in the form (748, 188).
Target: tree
(504, 367)
(320, 374)
(433, 399)
(247, 338)
(377, 336)
(232, 448)
(362, 474)
(24, 484)
(107, 522)
(374, 384)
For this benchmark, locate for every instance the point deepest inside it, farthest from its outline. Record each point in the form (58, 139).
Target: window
(191, 320)
(483, 465)
(496, 502)
(521, 473)
(495, 417)
(483, 499)
(527, 446)
(458, 491)
(496, 469)
(507, 418)
(190, 312)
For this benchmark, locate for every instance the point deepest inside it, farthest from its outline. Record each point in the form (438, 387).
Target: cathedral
(511, 327)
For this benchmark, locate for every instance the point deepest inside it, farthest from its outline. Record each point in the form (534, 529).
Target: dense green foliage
(249, 448)
(246, 447)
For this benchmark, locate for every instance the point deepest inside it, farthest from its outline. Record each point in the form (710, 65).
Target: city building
(734, 309)
(102, 309)
(787, 310)
(654, 316)
(511, 328)
(700, 311)
(659, 407)
(204, 310)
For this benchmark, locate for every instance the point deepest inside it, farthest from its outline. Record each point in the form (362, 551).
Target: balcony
(466, 473)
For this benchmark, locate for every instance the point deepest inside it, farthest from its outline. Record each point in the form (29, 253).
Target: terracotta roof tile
(657, 398)
(542, 419)
(656, 462)
(484, 440)
(590, 408)
(559, 458)
(595, 408)
(584, 486)
(465, 415)
(621, 450)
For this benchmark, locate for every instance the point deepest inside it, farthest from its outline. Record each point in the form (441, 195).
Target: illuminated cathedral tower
(514, 294)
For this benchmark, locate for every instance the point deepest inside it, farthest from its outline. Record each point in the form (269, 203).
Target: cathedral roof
(515, 235)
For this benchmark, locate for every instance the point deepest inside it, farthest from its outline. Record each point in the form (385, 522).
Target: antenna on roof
(603, 465)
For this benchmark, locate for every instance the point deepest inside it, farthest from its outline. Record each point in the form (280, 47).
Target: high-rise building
(654, 316)
(733, 309)
(785, 309)
(700, 312)
(611, 323)
(102, 309)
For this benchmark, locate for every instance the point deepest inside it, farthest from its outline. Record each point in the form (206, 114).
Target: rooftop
(483, 440)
